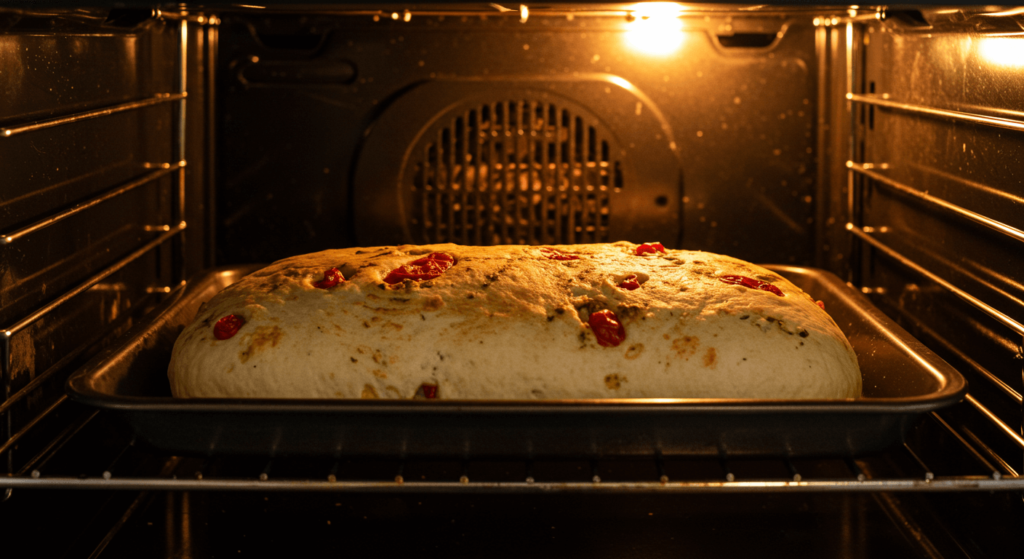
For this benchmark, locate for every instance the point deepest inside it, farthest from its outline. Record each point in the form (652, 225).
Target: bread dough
(508, 322)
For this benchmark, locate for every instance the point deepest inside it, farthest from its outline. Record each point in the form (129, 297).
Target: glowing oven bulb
(1002, 51)
(655, 28)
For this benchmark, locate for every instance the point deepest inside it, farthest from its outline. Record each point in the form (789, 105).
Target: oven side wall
(95, 166)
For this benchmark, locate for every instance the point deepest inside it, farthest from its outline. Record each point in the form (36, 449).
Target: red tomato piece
(557, 254)
(332, 277)
(752, 284)
(227, 327)
(426, 268)
(607, 328)
(429, 391)
(821, 304)
(650, 248)
(630, 283)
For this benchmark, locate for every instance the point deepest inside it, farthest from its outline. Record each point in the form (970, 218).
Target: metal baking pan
(902, 379)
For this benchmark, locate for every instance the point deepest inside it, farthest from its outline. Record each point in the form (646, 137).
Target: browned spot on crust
(363, 349)
(394, 326)
(711, 358)
(332, 376)
(369, 392)
(379, 374)
(666, 336)
(686, 346)
(634, 351)
(628, 312)
(614, 381)
(393, 390)
(433, 303)
(260, 338)
(378, 357)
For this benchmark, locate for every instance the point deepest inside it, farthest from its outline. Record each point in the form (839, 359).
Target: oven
(146, 149)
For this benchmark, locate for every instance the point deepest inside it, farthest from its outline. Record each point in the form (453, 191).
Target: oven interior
(142, 145)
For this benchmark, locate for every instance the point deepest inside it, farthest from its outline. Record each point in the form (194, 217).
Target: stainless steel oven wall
(329, 123)
(938, 196)
(104, 163)
(935, 207)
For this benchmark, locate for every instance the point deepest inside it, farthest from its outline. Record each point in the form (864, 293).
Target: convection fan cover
(487, 162)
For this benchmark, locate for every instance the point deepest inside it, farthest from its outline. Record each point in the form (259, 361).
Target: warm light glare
(655, 28)
(1002, 51)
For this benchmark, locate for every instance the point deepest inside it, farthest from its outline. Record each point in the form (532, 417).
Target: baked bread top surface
(508, 322)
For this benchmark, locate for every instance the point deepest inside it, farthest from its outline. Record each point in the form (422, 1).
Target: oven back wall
(711, 144)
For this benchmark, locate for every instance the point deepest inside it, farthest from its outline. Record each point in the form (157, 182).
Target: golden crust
(509, 323)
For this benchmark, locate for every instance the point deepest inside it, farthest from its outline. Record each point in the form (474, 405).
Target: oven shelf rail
(938, 484)
(900, 470)
(1004, 311)
(171, 233)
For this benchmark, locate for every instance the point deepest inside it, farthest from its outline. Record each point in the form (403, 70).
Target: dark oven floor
(210, 524)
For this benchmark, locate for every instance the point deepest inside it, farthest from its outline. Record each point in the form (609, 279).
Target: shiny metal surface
(1006, 429)
(988, 309)
(884, 101)
(48, 123)
(78, 137)
(743, 121)
(180, 142)
(163, 171)
(655, 474)
(932, 59)
(937, 205)
(93, 280)
(902, 380)
(936, 485)
(868, 170)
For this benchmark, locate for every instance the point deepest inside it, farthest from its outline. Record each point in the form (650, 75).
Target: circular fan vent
(513, 172)
(517, 161)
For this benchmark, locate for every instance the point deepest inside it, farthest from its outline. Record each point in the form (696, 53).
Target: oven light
(1002, 51)
(655, 28)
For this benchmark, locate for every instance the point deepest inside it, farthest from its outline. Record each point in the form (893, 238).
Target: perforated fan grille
(517, 172)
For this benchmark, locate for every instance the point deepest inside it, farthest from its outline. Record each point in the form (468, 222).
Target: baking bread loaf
(513, 322)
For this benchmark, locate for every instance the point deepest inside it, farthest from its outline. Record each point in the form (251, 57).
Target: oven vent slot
(516, 172)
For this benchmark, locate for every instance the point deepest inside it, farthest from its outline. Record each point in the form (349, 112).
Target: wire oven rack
(116, 465)
(165, 232)
(850, 42)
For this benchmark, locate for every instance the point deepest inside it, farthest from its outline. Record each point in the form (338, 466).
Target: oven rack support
(173, 233)
(868, 170)
(933, 485)
(157, 99)
(862, 234)
(397, 475)
(653, 474)
(883, 100)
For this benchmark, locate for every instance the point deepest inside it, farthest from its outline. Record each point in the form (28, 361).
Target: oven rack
(116, 467)
(171, 233)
